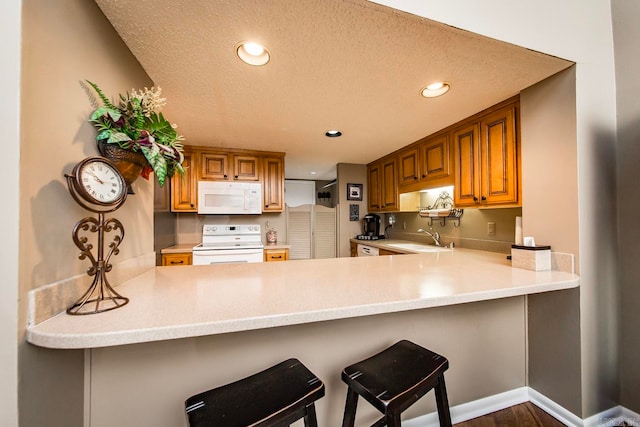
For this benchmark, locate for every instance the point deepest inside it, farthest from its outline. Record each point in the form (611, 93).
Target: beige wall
(549, 163)
(471, 232)
(350, 174)
(161, 375)
(627, 44)
(9, 176)
(64, 42)
(580, 31)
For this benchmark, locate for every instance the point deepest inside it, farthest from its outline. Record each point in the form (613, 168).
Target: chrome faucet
(435, 236)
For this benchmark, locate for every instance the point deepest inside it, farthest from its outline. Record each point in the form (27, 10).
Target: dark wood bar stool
(277, 396)
(395, 379)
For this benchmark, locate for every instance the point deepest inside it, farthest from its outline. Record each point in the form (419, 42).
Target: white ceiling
(345, 64)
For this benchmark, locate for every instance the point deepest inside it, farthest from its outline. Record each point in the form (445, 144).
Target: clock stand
(100, 296)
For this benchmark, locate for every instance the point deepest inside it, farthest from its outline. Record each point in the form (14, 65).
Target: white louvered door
(311, 231)
(299, 231)
(324, 232)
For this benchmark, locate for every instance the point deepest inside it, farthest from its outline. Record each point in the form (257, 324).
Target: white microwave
(229, 198)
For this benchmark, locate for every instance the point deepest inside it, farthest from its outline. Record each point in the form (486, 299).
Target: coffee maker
(370, 227)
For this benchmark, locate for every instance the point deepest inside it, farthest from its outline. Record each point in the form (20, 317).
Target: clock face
(98, 181)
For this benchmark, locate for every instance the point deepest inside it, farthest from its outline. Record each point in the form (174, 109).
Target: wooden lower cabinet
(182, 258)
(274, 255)
(382, 252)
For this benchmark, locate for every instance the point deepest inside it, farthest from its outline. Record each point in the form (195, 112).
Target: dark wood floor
(523, 415)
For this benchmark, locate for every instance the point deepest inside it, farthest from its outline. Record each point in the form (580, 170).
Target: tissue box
(536, 258)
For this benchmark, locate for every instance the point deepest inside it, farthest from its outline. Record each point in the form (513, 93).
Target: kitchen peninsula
(187, 329)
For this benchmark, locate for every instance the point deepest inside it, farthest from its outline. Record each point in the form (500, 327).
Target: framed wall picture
(354, 213)
(354, 192)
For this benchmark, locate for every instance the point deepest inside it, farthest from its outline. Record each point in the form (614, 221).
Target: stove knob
(214, 228)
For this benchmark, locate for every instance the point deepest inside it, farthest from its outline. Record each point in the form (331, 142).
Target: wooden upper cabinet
(246, 168)
(374, 186)
(219, 164)
(184, 196)
(224, 166)
(467, 162)
(479, 156)
(382, 185)
(487, 161)
(408, 170)
(214, 166)
(435, 161)
(498, 157)
(273, 184)
(389, 193)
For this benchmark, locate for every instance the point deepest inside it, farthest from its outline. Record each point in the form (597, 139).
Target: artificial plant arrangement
(136, 124)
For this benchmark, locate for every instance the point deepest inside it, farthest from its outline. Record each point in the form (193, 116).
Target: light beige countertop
(178, 249)
(389, 245)
(177, 302)
(276, 246)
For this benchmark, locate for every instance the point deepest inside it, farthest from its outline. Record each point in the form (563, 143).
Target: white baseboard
(474, 409)
(552, 408)
(466, 411)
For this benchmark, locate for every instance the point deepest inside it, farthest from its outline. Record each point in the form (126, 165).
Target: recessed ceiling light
(435, 89)
(253, 53)
(312, 173)
(333, 133)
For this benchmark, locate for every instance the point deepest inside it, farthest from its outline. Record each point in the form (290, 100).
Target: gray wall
(626, 32)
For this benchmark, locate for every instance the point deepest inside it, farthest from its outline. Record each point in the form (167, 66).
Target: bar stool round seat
(277, 396)
(395, 379)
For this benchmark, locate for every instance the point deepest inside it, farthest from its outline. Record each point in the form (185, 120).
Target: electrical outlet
(491, 228)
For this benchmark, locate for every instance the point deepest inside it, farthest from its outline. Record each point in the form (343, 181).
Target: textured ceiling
(344, 64)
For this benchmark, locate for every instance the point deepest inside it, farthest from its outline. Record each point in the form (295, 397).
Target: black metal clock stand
(100, 296)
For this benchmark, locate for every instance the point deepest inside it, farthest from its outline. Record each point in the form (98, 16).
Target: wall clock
(96, 185)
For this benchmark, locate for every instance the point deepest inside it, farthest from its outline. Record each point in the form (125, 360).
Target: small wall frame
(354, 192)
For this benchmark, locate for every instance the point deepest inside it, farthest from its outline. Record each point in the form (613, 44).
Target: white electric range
(224, 244)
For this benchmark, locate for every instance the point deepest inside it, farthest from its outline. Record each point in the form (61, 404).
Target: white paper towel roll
(519, 238)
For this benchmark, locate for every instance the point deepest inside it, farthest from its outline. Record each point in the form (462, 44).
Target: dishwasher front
(364, 250)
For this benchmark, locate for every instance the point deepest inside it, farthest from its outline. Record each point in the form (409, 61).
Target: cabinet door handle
(475, 199)
(236, 176)
(225, 176)
(484, 199)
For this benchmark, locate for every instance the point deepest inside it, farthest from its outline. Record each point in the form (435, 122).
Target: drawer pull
(178, 262)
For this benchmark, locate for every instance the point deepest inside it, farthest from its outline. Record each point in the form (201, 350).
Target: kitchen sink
(419, 247)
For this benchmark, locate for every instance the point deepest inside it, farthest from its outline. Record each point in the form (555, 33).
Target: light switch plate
(491, 228)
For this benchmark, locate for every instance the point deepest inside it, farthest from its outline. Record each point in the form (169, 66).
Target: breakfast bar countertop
(179, 302)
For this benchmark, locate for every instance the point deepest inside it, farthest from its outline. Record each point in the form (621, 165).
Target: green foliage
(136, 124)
